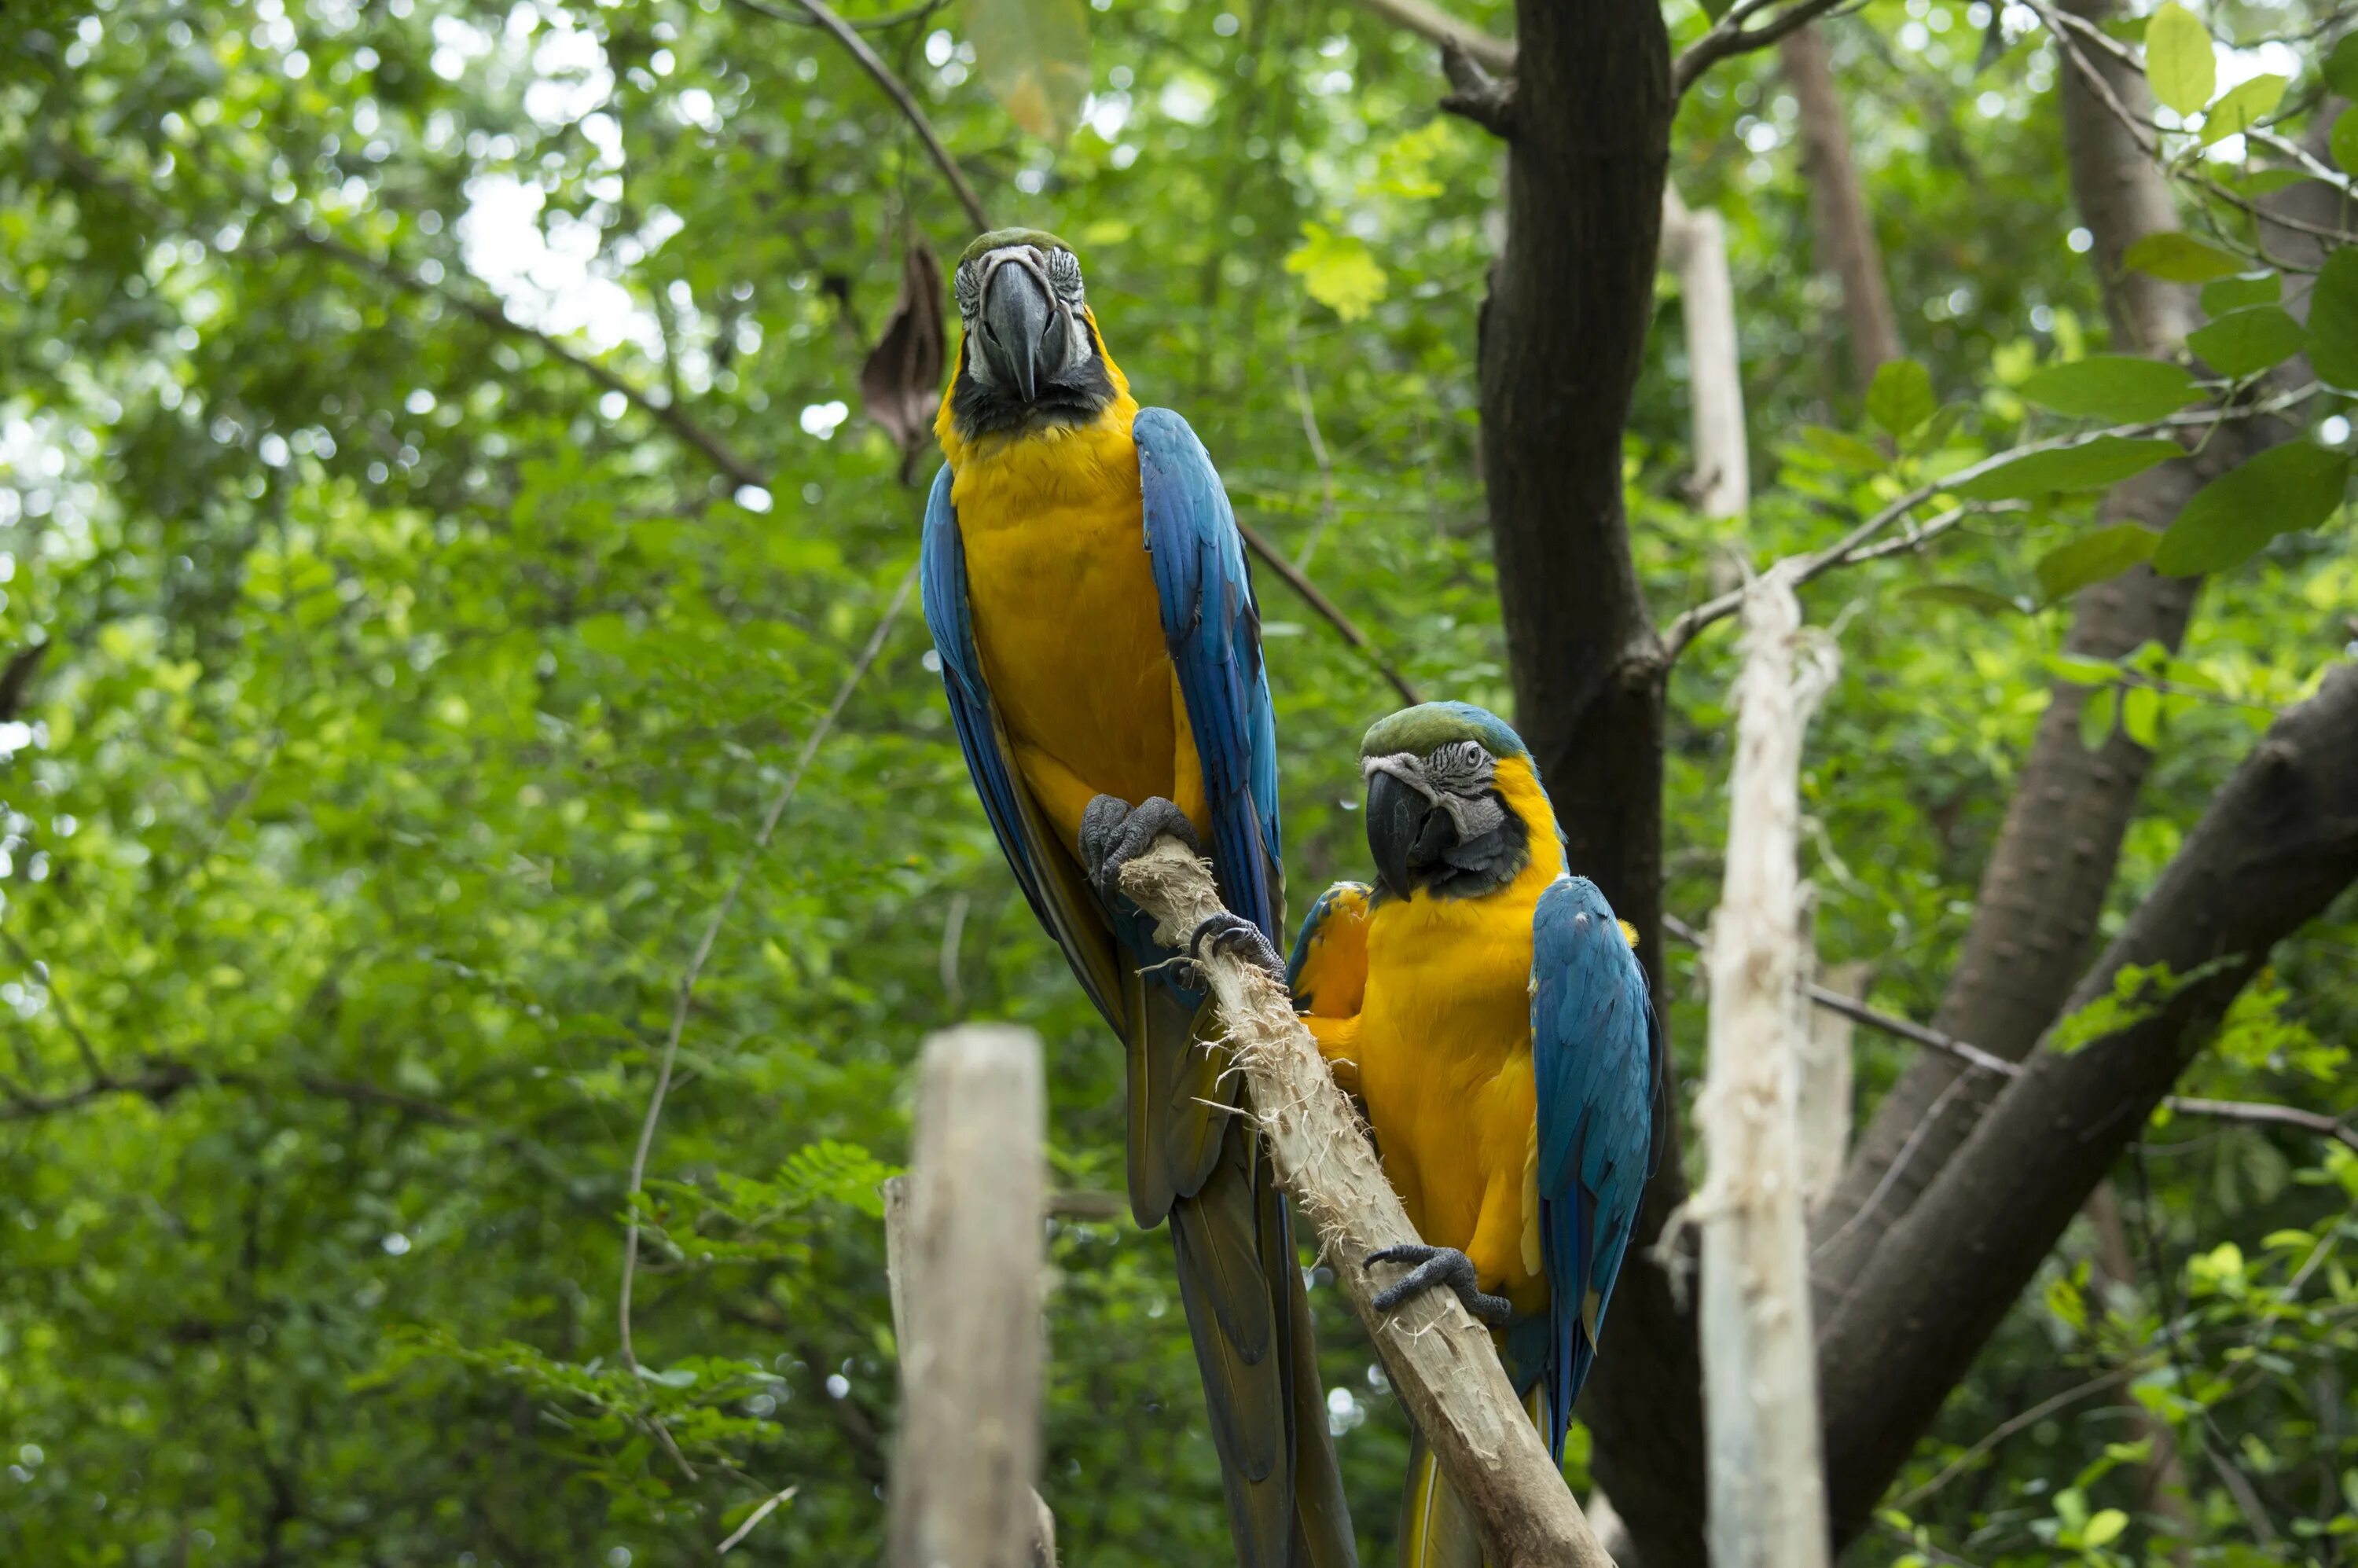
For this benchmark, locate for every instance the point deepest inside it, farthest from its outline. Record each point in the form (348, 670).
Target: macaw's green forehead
(1038, 239)
(1423, 729)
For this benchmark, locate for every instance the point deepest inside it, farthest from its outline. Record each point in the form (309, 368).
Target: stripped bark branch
(1440, 1361)
(1695, 246)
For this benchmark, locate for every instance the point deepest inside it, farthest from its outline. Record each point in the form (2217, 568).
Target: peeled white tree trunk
(1695, 246)
(1760, 1404)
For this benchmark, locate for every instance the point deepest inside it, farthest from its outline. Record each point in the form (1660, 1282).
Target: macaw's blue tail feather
(1197, 1160)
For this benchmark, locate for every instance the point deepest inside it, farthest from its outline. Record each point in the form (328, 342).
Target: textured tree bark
(1760, 1406)
(1441, 1362)
(1845, 229)
(1563, 337)
(2045, 883)
(970, 1266)
(2279, 843)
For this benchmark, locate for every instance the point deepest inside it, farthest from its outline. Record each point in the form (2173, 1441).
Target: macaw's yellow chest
(1067, 620)
(1444, 1063)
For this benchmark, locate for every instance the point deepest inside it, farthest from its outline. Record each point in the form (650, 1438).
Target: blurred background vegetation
(436, 513)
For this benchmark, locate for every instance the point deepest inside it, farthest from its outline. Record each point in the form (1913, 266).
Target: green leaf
(2106, 553)
(2091, 465)
(2243, 342)
(1965, 595)
(2181, 258)
(2226, 294)
(2343, 141)
(2141, 715)
(2333, 320)
(2178, 58)
(2096, 720)
(2105, 1528)
(2243, 106)
(2119, 387)
(1843, 450)
(2283, 490)
(2341, 68)
(1034, 55)
(1901, 397)
(1339, 270)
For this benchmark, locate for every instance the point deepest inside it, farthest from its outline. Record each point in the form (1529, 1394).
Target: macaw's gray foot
(1230, 933)
(1438, 1266)
(1113, 835)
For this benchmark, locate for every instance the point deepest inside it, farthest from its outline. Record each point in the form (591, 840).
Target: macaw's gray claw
(1438, 1266)
(1113, 835)
(1225, 932)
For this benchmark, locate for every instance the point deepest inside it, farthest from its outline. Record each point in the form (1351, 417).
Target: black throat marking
(1075, 398)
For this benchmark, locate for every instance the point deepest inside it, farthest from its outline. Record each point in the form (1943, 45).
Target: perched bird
(1088, 598)
(1487, 1011)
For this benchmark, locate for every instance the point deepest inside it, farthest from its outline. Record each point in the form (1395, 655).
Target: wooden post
(1439, 1358)
(963, 1245)
(1760, 1404)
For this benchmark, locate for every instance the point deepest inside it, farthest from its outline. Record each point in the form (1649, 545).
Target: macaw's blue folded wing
(1212, 626)
(1595, 1049)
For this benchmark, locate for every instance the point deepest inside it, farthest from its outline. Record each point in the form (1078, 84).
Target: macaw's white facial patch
(1457, 778)
(1065, 348)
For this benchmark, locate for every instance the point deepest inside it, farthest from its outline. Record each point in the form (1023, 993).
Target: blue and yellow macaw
(1089, 597)
(1487, 1011)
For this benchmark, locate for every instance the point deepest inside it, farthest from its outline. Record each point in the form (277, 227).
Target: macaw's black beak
(1015, 317)
(1407, 832)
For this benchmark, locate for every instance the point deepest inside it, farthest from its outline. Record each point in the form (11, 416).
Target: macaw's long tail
(1197, 1160)
(1435, 1529)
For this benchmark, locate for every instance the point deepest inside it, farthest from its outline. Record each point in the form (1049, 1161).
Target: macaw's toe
(1227, 933)
(1438, 1266)
(1113, 835)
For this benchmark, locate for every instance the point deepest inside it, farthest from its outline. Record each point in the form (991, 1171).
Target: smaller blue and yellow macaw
(1487, 1011)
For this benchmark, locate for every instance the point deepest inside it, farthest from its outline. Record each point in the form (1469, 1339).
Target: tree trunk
(1695, 246)
(2045, 883)
(1845, 230)
(1563, 337)
(1767, 1488)
(2277, 845)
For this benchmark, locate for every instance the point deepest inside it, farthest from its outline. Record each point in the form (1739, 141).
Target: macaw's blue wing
(1212, 626)
(1050, 876)
(1595, 1049)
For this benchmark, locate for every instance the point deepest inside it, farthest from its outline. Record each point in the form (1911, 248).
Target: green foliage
(411, 693)
(2294, 486)
(2178, 58)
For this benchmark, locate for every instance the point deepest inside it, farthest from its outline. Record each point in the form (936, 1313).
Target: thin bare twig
(1317, 441)
(2256, 1113)
(1851, 547)
(1326, 607)
(686, 993)
(2008, 1428)
(66, 1019)
(873, 64)
(1729, 37)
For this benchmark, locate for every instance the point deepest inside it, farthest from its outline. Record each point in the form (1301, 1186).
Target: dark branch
(896, 88)
(1730, 36)
(1477, 95)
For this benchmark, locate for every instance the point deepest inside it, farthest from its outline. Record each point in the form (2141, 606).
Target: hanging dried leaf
(1034, 57)
(901, 380)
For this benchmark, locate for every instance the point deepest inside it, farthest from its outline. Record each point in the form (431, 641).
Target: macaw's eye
(1462, 767)
(1065, 275)
(967, 290)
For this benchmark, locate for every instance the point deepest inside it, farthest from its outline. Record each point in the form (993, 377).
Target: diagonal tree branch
(2278, 844)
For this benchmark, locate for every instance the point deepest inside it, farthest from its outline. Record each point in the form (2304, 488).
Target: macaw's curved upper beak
(1407, 832)
(1015, 317)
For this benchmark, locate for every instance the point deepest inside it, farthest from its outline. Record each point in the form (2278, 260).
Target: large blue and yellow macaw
(1487, 1011)
(1089, 597)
